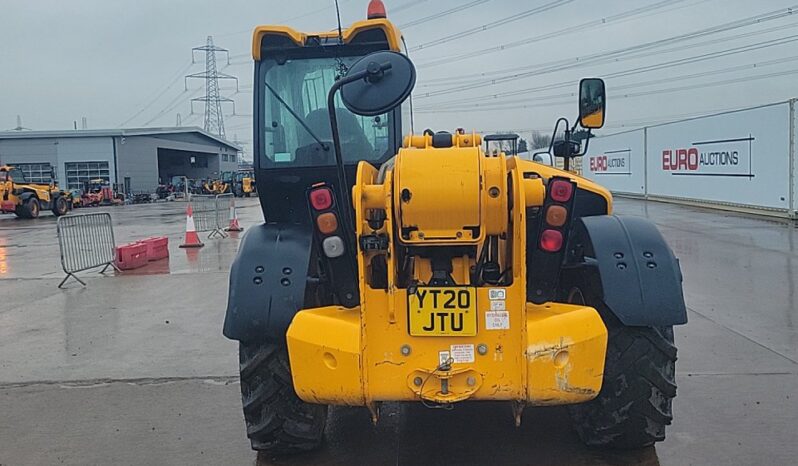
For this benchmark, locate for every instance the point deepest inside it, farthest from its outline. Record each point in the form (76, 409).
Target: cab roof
(349, 34)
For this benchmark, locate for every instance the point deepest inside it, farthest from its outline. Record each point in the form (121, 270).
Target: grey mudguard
(640, 277)
(267, 281)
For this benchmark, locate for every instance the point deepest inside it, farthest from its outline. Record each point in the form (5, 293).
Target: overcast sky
(118, 62)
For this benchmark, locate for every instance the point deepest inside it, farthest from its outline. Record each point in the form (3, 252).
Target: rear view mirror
(592, 101)
(386, 80)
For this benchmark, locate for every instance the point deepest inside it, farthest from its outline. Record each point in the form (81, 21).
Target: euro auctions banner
(617, 162)
(740, 157)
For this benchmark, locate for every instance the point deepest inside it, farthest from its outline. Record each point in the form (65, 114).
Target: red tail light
(551, 240)
(321, 198)
(561, 190)
(376, 10)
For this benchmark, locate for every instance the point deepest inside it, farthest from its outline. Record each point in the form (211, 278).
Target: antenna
(340, 31)
(412, 120)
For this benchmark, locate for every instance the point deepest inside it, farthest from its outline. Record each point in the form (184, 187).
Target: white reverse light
(333, 247)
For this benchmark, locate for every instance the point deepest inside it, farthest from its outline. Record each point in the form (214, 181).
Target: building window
(79, 172)
(224, 157)
(34, 172)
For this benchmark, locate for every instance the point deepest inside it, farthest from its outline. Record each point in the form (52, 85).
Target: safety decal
(498, 306)
(497, 320)
(497, 293)
(462, 353)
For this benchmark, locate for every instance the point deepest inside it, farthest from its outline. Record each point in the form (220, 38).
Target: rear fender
(267, 281)
(25, 195)
(640, 278)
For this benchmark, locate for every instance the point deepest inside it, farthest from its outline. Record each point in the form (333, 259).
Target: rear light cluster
(326, 219)
(560, 195)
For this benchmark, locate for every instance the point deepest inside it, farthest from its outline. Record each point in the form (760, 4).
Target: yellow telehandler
(413, 268)
(27, 199)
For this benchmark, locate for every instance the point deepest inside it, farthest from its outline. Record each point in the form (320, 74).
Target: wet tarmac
(133, 369)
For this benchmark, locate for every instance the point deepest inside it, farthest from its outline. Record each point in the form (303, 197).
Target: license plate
(443, 311)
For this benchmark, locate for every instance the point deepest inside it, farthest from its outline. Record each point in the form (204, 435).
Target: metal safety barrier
(86, 242)
(211, 213)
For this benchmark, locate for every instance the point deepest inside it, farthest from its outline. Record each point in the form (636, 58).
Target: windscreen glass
(302, 85)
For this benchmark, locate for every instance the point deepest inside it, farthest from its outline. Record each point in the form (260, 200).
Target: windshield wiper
(298, 118)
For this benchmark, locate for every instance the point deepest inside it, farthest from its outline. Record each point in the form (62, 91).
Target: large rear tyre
(635, 401)
(277, 421)
(60, 206)
(28, 209)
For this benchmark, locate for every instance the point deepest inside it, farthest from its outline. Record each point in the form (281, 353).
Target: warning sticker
(497, 293)
(498, 306)
(462, 353)
(497, 320)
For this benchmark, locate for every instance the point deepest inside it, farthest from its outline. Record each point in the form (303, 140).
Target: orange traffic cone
(192, 238)
(234, 226)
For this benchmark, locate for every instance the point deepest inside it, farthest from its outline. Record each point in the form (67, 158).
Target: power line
(777, 61)
(283, 21)
(626, 95)
(600, 22)
(639, 70)
(630, 123)
(441, 14)
(559, 65)
(160, 94)
(174, 103)
(492, 24)
(469, 79)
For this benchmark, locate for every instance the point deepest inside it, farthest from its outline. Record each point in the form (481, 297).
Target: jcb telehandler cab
(421, 269)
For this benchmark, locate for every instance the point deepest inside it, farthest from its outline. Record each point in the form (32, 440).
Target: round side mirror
(388, 79)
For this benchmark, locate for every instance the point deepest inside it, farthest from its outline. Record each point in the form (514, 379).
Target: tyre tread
(277, 421)
(635, 402)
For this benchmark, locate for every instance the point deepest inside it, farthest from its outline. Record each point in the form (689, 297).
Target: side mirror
(592, 102)
(378, 83)
(543, 158)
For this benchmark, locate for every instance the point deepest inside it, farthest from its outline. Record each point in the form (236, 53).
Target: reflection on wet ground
(471, 433)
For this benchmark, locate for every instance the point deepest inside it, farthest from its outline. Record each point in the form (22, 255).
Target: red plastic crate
(157, 247)
(131, 256)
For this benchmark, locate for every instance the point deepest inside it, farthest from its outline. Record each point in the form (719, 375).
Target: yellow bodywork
(453, 197)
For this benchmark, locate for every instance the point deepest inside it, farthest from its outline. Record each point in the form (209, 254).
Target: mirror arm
(587, 142)
(339, 158)
(554, 133)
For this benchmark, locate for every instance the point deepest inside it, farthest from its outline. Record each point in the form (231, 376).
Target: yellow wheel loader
(422, 269)
(26, 199)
